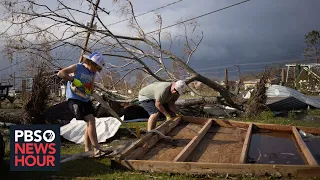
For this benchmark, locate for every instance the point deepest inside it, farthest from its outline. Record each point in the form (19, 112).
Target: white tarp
(106, 128)
(282, 91)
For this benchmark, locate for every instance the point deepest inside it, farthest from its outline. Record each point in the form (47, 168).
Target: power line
(244, 64)
(252, 70)
(199, 16)
(248, 63)
(166, 27)
(167, 5)
(247, 70)
(12, 65)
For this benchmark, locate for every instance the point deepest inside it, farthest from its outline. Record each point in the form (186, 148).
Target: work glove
(88, 90)
(77, 82)
(178, 114)
(168, 117)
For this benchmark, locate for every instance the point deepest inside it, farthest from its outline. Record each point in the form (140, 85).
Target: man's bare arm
(161, 108)
(172, 104)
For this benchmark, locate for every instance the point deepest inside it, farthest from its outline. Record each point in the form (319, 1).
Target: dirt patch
(219, 145)
(167, 151)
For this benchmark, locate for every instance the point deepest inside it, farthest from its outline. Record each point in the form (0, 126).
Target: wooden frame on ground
(128, 158)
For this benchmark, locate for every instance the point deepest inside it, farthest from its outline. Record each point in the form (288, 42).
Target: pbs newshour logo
(35, 148)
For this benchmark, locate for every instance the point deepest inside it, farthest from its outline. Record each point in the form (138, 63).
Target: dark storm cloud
(259, 28)
(256, 31)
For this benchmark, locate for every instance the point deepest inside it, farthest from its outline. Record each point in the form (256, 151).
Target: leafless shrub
(256, 103)
(39, 97)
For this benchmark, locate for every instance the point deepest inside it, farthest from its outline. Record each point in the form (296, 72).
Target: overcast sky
(253, 32)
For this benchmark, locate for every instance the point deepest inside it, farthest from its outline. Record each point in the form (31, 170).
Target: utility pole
(14, 80)
(88, 33)
(226, 81)
(283, 76)
(236, 91)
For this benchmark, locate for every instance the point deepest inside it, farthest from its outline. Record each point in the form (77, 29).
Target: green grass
(69, 148)
(142, 125)
(90, 168)
(267, 117)
(314, 112)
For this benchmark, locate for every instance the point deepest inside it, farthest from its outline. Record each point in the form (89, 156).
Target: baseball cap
(180, 86)
(96, 58)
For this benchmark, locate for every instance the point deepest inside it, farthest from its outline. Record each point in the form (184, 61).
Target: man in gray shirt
(160, 97)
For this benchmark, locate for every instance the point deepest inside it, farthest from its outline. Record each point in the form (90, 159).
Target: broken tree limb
(192, 102)
(112, 95)
(109, 109)
(222, 90)
(195, 76)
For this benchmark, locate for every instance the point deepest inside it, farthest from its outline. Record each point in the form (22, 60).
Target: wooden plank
(222, 168)
(274, 127)
(231, 123)
(196, 120)
(246, 144)
(182, 156)
(144, 147)
(145, 138)
(310, 130)
(306, 152)
(110, 111)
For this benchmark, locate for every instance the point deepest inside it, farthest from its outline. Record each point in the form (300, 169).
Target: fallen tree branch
(110, 111)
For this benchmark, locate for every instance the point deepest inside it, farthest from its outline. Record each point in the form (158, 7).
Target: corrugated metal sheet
(283, 98)
(285, 104)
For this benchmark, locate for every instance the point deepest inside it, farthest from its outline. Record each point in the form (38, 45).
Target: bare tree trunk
(222, 90)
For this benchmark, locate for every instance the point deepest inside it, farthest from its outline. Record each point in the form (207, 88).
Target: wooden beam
(227, 123)
(310, 130)
(275, 127)
(144, 147)
(182, 156)
(230, 123)
(305, 150)
(111, 111)
(196, 120)
(222, 168)
(245, 147)
(145, 138)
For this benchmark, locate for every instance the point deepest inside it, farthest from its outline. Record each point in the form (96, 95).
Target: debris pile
(37, 101)
(256, 103)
